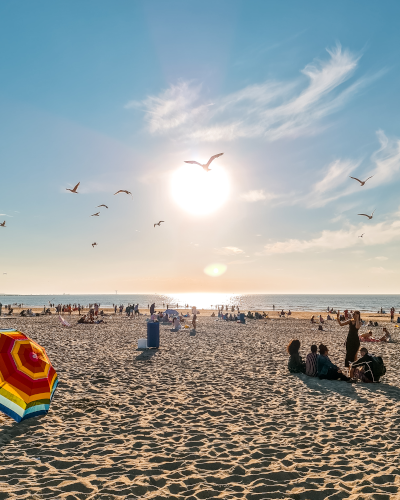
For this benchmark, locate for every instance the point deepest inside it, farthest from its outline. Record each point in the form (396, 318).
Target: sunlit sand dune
(212, 415)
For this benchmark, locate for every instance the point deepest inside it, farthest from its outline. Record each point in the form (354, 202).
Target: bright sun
(200, 192)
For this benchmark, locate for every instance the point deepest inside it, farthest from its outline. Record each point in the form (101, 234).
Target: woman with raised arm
(353, 340)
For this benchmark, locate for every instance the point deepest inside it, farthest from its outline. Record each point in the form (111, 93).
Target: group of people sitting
(320, 365)
(90, 319)
(369, 337)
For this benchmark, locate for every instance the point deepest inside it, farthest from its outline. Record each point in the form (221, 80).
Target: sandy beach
(210, 415)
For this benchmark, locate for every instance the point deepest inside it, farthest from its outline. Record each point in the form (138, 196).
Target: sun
(200, 192)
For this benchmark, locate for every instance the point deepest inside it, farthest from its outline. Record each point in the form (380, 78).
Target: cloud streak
(375, 234)
(270, 110)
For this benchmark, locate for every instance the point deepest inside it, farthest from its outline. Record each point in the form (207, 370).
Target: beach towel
(64, 323)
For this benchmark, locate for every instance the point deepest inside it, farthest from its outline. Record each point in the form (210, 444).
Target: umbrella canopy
(27, 378)
(171, 312)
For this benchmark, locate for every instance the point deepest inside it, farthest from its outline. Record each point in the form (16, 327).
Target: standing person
(96, 309)
(353, 340)
(115, 309)
(79, 309)
(136, 310)
(392, 314)
(273, 307)
(152, 308)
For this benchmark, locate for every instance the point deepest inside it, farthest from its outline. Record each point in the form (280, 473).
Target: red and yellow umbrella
(27, 378)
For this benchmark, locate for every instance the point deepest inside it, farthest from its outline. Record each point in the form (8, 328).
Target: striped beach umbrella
(27, 378)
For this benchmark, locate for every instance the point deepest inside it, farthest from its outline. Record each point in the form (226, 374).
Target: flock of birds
(361, 185)
(206, 167)
(97, 214)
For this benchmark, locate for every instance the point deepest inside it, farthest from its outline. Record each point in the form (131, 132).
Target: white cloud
(272, 109)
(229, 251)
(255, 195)
(381, 258)
(335, 182)
(375, 234)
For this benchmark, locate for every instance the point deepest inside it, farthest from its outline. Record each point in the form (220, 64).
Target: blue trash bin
(242, 318)
(153, 334)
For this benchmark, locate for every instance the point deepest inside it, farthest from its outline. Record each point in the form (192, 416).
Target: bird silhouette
(3, 224)
(158, 223)
(74, 190)
(94, 244)
(96, 215)
(369, 216)
(123, 191)
(361, 235)
(102, 206)
(206, 165)
(361, 182)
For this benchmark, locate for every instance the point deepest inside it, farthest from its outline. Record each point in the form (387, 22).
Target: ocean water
(263, 302)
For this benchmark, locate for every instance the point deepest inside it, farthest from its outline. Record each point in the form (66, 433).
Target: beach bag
(378, 367)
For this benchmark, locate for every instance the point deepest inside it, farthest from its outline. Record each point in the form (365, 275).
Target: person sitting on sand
(361, 369)
(321, 319)
(312, 319)
(328, 318)
(250, 315)
(312, 362)
(213, 315)
(295, 363)
(326, 369)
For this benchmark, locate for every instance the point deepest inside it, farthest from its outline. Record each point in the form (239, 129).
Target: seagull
(96, 215)
(123, 191)
(75, 189)
(361, 235)
(158, 223)
(361, 182)
(102, 206)
(3, 224)
(207, 164)
(94, 244)
(369, 216)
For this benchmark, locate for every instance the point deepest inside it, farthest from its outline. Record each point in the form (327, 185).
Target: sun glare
(215, 270)
(199, 192)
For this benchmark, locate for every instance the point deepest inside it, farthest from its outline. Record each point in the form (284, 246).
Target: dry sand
(215, 415)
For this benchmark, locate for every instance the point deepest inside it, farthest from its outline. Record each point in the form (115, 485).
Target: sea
(252, 302)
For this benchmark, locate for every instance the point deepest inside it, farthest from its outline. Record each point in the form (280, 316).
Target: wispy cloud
(6, 215)
(375, 234)
(257, 195)
(273, 109)
(229, 251)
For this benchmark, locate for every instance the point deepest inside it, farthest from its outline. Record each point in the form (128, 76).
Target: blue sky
(116, 95)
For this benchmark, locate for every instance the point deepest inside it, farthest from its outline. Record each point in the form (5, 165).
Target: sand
(211, 415)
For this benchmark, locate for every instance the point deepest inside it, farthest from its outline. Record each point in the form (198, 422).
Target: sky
(299, 96)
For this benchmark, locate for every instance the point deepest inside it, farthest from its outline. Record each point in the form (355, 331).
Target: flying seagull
(75, 189)
(96, 215)
(361, 182)
(123, 191)
(361, 235)
(369, 216)
(94, 244)
(205, 166)
(158, 223)
(102, 206)
(3, 224)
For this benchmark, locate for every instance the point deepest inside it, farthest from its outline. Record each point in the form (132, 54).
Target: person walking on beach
(392, 314)
(353, 340)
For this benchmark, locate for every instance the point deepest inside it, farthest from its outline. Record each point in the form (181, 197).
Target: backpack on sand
(378, 368)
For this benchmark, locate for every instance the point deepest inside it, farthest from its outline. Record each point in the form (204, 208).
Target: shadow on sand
(146, 354)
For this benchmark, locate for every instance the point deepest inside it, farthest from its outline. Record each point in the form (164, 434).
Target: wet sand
(210, 415)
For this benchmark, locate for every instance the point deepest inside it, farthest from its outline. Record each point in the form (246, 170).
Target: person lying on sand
(326, 369)
(368, 337)
(295, 363)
